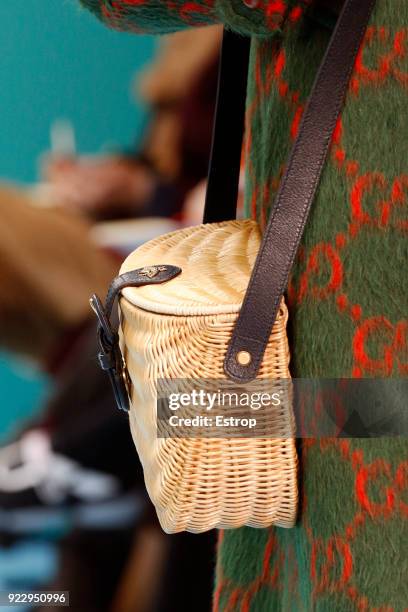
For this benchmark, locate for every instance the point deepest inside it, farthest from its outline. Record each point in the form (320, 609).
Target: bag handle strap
(225, 160)
(298, 186)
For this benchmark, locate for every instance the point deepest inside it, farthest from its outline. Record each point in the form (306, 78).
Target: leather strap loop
(296, 193)
(110, 357)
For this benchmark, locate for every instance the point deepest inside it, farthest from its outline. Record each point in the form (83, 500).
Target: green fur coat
(347, 297)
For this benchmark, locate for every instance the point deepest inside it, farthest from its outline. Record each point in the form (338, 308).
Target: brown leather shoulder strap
(296, 193)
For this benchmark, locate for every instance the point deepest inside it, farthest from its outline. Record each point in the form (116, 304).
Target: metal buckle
(110, 357)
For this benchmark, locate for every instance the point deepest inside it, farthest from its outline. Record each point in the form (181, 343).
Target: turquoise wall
(57, 61)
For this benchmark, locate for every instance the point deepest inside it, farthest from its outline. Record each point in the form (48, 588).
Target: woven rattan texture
(201, 483)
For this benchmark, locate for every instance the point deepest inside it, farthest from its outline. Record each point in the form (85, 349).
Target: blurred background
(54, 57)
(105, 144)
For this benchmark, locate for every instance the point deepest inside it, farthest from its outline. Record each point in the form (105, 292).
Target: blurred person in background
(75, 464)
(180, 88)
(64, 470)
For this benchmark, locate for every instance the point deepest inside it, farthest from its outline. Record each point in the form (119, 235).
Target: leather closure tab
(110, 357)
(148, 275)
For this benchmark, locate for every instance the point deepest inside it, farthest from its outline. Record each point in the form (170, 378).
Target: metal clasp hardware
(152, 271)
(110, 357)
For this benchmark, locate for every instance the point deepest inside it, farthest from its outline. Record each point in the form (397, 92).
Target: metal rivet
(244, 358)
(251, 3)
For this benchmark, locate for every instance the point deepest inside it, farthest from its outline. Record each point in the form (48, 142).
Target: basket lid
(216, 260)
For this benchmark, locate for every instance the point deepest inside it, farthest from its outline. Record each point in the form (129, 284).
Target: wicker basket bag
(180, 329)
(205, 304)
